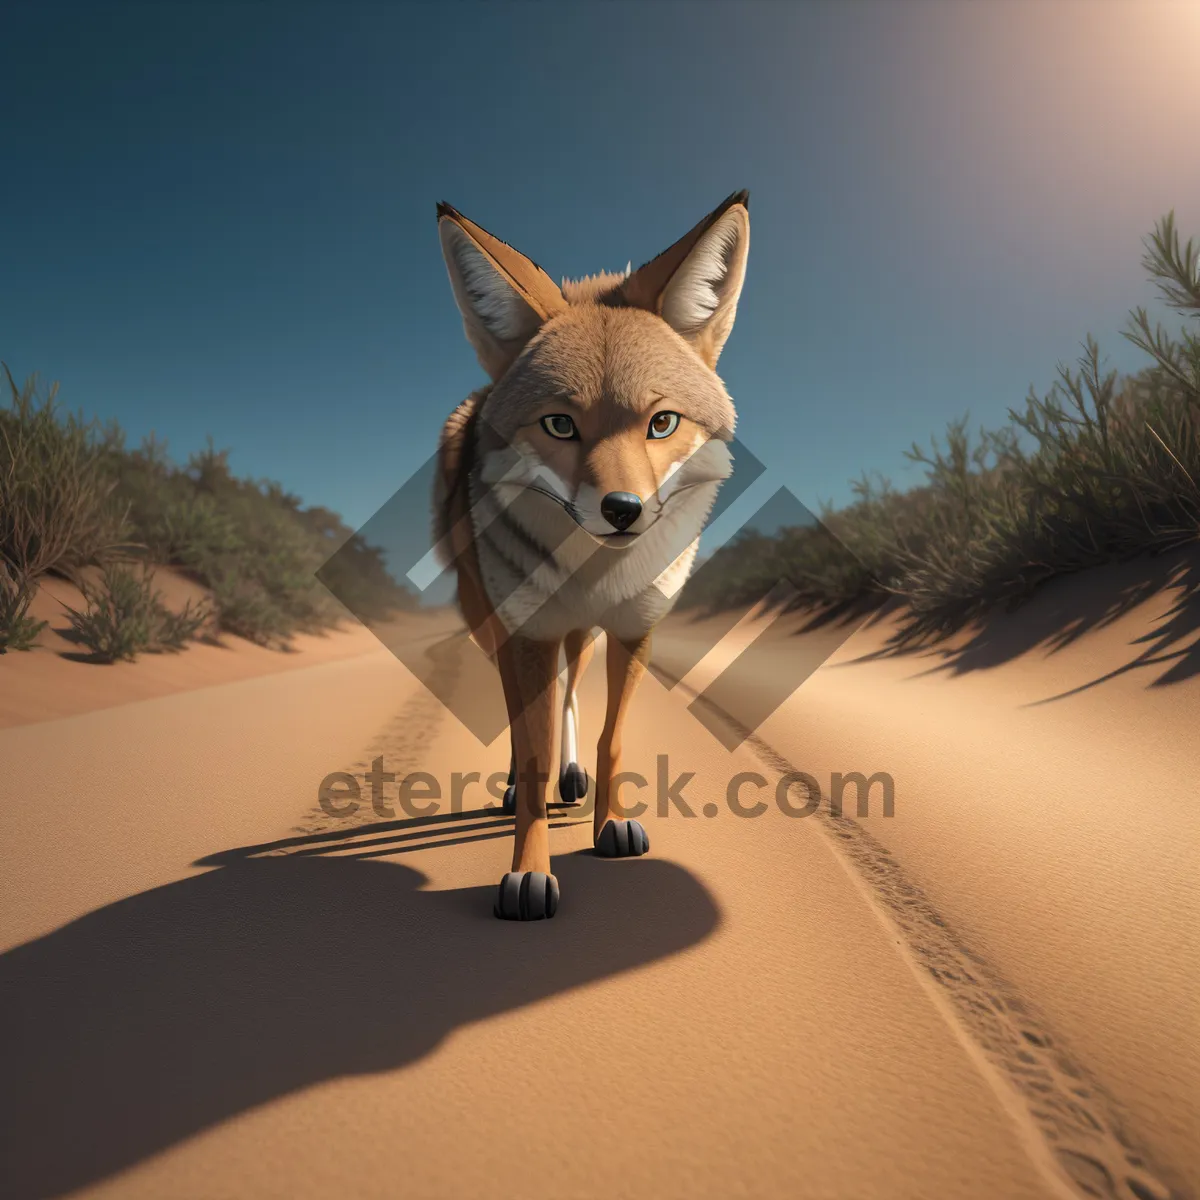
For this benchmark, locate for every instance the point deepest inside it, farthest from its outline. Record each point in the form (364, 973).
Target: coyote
(572, 490)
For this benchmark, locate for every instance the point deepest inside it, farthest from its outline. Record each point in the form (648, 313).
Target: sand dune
(55, 678)
(1043, 806)
(212, 987)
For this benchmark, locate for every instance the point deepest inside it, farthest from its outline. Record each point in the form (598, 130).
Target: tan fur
(452, 523)
(588, 288)
(625, 665)
(448, 493)
(613, 352)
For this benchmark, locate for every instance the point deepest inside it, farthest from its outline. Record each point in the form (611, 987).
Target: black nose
(620, 509)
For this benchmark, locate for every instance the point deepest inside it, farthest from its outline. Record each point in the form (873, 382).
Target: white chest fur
(545, 576)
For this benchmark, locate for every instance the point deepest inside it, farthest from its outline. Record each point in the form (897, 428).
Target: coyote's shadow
(156, 1017)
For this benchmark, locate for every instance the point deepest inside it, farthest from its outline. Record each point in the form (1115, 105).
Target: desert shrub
(353, 569)
(57, 507)
(177, 628)
(72, 494)
(245, 542)
(171, 521)
(125, 616)
(118, 622)
(18, 630)
(246, 608)
(259, 550)
(1099, 469)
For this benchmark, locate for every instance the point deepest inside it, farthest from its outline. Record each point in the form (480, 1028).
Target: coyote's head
(606, 387)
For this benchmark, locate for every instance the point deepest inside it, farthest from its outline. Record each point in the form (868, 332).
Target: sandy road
(331, 1009)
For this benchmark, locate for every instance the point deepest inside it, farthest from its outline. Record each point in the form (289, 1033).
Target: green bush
(57, 508)
(119, 620)
(1098, 470)
(72, 494)
(18, 630)
(125, 616)
(253, 545)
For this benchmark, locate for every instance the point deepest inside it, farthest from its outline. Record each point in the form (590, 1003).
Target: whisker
(573, 509)
(580, 513)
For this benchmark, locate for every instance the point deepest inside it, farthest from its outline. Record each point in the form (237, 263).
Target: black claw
(509, 803)
(572, 784)
(526, 896)
(622, 839)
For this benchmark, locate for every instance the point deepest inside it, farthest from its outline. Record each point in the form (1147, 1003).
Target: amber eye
(662, 425)
(560, 426)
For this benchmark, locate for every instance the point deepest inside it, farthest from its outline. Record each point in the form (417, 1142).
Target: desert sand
(54, 679)
(211, 987)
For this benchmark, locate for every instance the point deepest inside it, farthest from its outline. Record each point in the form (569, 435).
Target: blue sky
(220, 218)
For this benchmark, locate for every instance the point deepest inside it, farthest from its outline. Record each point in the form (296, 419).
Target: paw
(572, 784)
(527, 896)
(622, 839)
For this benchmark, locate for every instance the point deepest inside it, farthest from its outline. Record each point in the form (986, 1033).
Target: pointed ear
(503, 296)
(695, 285)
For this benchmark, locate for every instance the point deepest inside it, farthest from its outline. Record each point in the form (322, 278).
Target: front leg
(529, 672)
(616, 836)
(572, 778)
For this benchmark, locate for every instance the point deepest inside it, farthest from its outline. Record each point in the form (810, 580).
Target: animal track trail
(1076, 1122)
(403, 744)
(1071, 1114)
